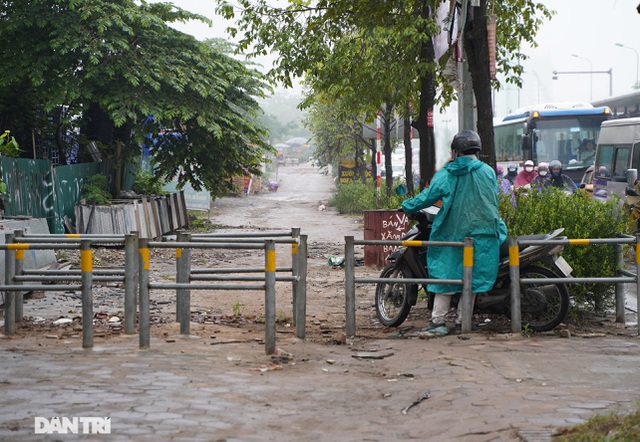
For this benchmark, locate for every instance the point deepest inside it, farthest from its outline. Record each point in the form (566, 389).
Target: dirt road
(301, 195)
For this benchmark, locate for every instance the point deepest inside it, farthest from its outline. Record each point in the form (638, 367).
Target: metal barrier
(129, 278)
(514, 273)
(298, 267)
(136, 271)
(351, 280)
(183, 285)
(514, 269)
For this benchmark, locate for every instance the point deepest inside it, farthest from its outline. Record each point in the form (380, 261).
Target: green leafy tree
(382, 52)
(335, 138)
(112, 64)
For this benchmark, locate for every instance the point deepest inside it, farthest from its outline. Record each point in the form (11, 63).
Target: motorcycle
(543, 305)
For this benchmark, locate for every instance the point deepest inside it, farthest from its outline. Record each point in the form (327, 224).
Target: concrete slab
(33, 259)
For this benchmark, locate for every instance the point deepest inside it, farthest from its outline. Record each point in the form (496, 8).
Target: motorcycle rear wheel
(543, 305)
(392, 298)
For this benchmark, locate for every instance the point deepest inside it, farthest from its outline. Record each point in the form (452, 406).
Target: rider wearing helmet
(541, 181)
(512, 172)
(504, 185)
(525, 176)
(558, 179)
(469, 192)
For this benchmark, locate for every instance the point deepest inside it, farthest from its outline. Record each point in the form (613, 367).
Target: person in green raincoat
(469, 192)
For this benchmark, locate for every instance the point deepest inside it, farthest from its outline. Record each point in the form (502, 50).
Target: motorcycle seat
(504, 248)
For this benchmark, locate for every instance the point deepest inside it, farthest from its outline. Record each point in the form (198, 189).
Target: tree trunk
(408, 153)
(477, 50)
(424, 122)
(387, 115)
(374, 165)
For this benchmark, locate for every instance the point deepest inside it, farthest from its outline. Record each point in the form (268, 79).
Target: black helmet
(555, 164)
(466, 142)
(555, 167)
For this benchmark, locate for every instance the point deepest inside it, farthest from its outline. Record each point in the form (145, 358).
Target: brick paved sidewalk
(481, 389)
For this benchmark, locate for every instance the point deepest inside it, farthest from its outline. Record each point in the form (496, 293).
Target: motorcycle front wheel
(543, 305)
(392, 298)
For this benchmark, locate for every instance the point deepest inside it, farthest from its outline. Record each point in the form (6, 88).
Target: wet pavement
(484, 388)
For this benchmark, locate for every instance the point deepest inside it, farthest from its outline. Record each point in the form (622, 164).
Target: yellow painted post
(514, 275)
(467, 285)
(86, 267)
(270, 296)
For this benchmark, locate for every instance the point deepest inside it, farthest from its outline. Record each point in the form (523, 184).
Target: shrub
(95, 190)
(582, 217)
(146, 183)
(356, 197)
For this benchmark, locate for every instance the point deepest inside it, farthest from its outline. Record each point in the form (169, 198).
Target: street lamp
(590, 69)
(636, 85)
(609, 72)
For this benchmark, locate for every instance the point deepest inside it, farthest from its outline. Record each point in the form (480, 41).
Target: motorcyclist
(525, 176)
(504, 185)
(469, 192)
(540, 181)
(558, 179)
(512, 173)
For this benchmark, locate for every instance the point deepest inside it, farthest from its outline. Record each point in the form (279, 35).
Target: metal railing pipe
(514, 276)
(176, 286)
(295, 234)
(131, 265)
(406, 243)
(247, 240)
(143, 321)
(619, 285)
(58, 240)
(301, 305)
(96, 272)
(349, 286)
(270, 297)
(183, 301)
(40, 287)
(467, 286)
(237, 270)
(203, 245)
(74, 278)
(242, 234)
(19, 268)
(241, 278)
(86, 265)
(9, 296)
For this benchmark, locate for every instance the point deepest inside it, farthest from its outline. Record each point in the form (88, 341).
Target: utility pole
(467, 115)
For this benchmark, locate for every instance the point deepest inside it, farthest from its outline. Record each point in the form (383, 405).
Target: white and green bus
(554, 131)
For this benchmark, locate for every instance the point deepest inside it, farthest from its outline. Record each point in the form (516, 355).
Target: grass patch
(610, 427)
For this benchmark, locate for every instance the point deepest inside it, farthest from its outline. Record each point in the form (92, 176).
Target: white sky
(587, 28)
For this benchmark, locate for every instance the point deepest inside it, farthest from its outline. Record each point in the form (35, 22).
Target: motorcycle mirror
(401, 190)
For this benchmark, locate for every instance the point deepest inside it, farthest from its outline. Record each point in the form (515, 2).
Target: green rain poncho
(469, 192)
